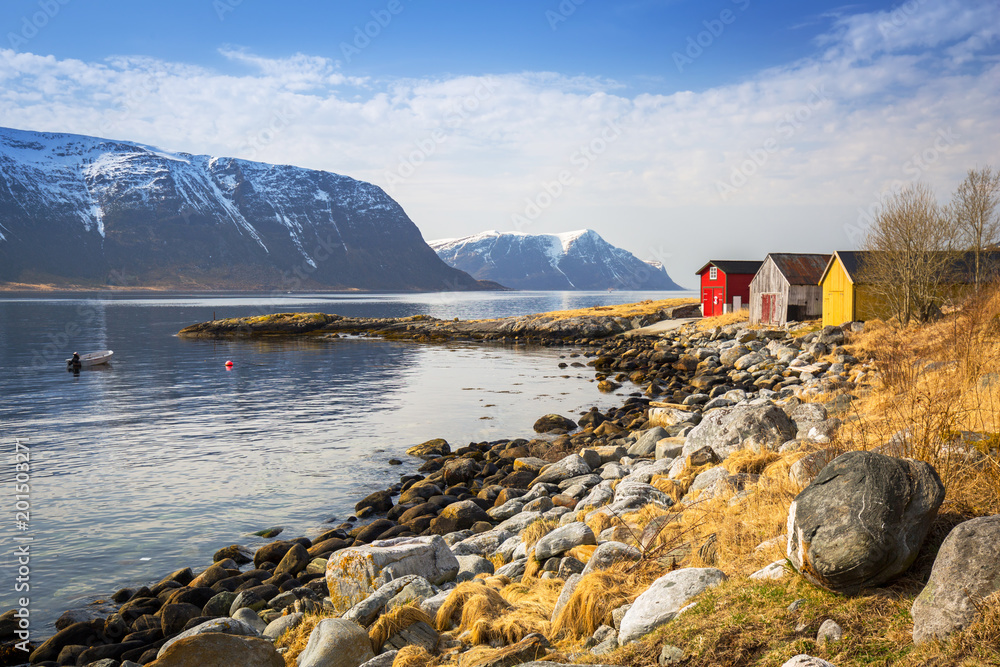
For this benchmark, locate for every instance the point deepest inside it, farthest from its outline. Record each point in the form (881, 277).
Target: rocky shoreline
(542, 329)
(504, 553)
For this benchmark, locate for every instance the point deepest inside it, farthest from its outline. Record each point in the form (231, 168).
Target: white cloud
(803, 147)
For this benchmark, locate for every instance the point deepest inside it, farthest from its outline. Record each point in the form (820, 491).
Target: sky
(680, 130)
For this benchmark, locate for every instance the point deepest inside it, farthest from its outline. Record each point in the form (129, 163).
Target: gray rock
(646, 444)
(510, 508)
(470, 566)
(744, 426)
(617, 614)
(354, 573)
(775, 570)
(510, 547)
(665, 597)
(483, 544)
(862, 521)
(520, 521)
(336, 642)
(809, 412)
(415, 592)
(431, 605)
(543, 504)
(708, 478)
(587, 481)
(366, 611)
(749, 360)
(514, 569)
(564, 538)
(220, 604)
(609, 553)
(965, 571)
(281, 625)
(671, 417)
(228, 626)
(613, 471)
(573, 465)
(565, 594)
(829, 631)
(599, 495)
(384, 660)
(803, 660)
(671, 655)
(247, 600)
(250, 618)
(805, 469)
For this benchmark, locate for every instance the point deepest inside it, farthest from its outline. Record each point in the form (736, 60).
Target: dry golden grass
(500, 617)
(414, 656)
(707, 323)
(389, 624)
(623, 310)
(468, 602)
(537, 531)
(933, 383)
(582, 552)
(598, 594)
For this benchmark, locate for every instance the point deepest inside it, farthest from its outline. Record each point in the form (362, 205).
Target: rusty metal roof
(798, 268)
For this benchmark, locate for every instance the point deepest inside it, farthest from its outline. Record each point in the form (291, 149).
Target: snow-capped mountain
(579, 260)
(84, 210)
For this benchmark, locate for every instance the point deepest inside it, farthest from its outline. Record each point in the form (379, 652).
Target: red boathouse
(723, 281)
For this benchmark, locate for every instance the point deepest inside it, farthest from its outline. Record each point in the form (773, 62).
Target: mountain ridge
(577, 260)
(85, 210)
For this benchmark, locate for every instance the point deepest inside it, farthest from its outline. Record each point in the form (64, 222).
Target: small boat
(90, 359)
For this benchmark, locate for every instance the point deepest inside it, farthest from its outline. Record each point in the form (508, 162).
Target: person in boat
(75, 361)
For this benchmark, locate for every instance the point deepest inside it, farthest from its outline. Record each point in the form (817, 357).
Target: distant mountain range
(580, 260)
(96, 212)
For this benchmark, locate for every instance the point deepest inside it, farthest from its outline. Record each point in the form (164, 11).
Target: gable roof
(800, 268)
(849, 259)
(730, 266)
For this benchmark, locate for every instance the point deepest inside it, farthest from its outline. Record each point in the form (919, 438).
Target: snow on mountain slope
(83, 209)
(579, 260)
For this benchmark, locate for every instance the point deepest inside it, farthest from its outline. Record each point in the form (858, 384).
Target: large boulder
(665, 597)
(227, 626)
(862, 521)
(565, 468)
(355, 573)
(464, 513)
(554, 423)
(965, 571)
(430, 449)
(219, 650)
(336, 642)
(726, 430)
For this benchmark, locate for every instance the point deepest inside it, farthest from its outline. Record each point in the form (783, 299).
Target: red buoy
(229, 364)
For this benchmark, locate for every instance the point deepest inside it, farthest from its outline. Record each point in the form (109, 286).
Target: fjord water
(158, 461)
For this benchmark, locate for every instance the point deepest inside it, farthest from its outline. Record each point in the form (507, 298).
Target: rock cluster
(465, 514)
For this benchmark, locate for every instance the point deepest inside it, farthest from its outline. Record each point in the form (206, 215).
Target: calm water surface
(156, 462)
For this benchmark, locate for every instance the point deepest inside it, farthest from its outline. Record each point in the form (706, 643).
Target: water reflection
(167, 456)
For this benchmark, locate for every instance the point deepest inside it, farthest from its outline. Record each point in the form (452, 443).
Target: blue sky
(680, 130)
